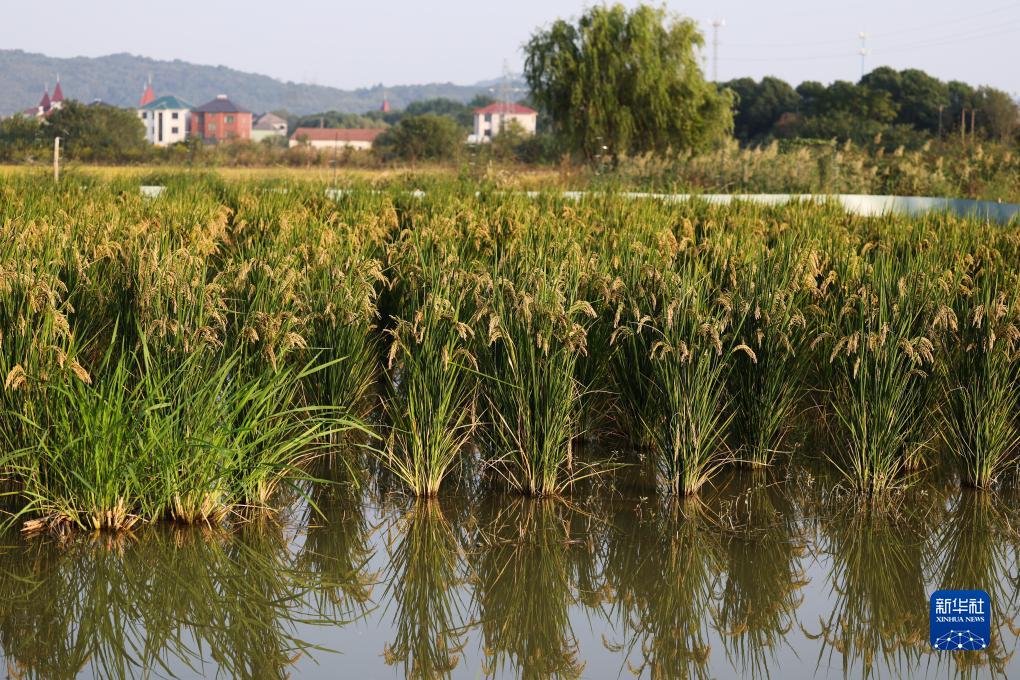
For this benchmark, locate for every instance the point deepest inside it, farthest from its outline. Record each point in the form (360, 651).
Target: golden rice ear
(748, 351)
(80, 372)
(15, 378)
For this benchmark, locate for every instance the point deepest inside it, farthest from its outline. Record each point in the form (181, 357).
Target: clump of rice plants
(536, 334)
(431, 389)
(981, 396)
(881, 358)
(194, 442)
(678, 362)
(766, 381)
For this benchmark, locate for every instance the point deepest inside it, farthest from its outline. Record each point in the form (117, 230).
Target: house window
(174, 130)
(174, 115)
(211, 127)
(230, 119)
(488, 118)
(488, 133)
(145, 116)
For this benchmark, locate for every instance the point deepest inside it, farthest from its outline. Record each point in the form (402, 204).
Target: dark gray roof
(220, 105)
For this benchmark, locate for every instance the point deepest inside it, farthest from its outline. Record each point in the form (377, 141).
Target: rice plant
(981, 396)
(536, 335)
(686, 408)
(222, 335)
(881, 359)
(767, 381)
(430, 401)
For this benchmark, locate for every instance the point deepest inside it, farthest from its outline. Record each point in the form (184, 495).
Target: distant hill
(119, 79)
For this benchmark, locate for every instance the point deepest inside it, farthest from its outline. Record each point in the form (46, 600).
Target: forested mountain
(119, 79)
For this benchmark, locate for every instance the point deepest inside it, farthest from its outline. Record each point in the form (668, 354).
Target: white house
(335, 138)
(489, 120)
(166, 120)
(268, 125)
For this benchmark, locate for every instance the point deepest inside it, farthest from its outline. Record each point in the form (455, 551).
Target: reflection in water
(526, 561)
(753, 580)
(337, 550)
(880, 613)
(761, 589)
(969, 554)
(662, 561)
(170, 601)
(423, 576)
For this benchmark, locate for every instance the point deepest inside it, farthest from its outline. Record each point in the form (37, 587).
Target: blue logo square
(961, 620)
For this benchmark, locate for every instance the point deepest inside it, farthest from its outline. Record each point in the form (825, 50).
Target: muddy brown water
(784, 578)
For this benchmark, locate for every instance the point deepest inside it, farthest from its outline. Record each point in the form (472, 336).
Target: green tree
(918, 97)
(19, 138)
(623, 82)
(97, 132)
(462, 113)
(759, 106)
(425, 137)
(997, 114)
(335, 119)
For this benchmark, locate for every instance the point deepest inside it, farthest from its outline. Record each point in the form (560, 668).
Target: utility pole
(56, 160)
(963, 125)
(941, 107)
(973, 114)
(864, 50)
(716, 25)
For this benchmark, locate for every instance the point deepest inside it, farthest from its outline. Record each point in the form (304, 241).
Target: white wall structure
(166, 120)
(489, 120)
(335, 138)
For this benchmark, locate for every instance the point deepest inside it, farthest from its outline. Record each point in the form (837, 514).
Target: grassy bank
(187, 357)
(976, 170)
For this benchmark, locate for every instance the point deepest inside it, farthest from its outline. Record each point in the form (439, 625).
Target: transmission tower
(716, 25)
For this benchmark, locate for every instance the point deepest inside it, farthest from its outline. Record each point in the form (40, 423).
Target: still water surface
(777, 580)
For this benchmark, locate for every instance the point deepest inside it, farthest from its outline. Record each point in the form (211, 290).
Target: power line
(936, 41)
(882, 34)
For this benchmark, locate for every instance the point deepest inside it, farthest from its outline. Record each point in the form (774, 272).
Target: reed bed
(187, 357)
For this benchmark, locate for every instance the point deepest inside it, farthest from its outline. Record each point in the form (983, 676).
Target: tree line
(907, 108)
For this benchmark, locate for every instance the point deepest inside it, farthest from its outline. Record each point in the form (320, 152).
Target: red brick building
(220, 120)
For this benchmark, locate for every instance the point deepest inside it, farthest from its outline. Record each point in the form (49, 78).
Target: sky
(353, 44)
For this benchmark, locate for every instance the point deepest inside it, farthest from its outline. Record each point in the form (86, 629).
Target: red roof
(58, 94)
(336, 134)
(507, 107)
(44, 103)
(385, 108)
(147, 96)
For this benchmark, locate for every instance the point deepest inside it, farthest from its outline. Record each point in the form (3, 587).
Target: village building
(166, 119)
(148, 96)
(491, 119)
(47, 104)
(334, 139)
(268, 126)
(221, 120)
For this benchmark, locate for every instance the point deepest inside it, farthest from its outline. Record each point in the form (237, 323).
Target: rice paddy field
(256, 428)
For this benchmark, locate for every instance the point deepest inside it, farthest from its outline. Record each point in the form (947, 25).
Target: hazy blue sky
(359, 43)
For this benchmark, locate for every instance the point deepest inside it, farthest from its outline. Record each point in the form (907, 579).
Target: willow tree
(625, 82)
